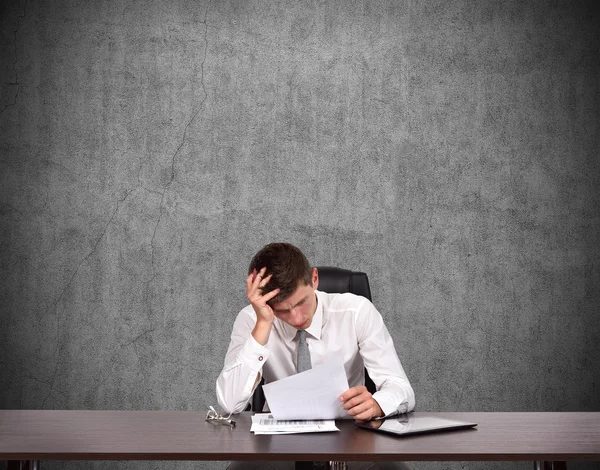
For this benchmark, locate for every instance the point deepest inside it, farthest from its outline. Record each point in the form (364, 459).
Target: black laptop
(408, 424)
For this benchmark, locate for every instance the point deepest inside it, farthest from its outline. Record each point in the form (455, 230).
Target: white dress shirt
(344, 325)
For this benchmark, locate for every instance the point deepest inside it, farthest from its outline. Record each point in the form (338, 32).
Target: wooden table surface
(181, 435)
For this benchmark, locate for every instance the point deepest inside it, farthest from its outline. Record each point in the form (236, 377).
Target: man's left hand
(360, 404)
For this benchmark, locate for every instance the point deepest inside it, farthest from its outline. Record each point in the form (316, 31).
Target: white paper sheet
(264, 423)
(313, 394)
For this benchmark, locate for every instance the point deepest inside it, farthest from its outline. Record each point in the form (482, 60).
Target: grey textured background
(450, 149)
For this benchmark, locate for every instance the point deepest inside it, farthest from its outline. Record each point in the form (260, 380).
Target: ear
(315, 278)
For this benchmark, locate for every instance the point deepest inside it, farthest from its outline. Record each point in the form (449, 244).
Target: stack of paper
(264, 423)
(305, 402)
(313, 394)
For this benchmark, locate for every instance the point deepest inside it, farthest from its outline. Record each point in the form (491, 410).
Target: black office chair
(331, 280)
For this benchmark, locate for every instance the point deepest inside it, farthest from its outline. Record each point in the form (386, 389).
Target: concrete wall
(450, 149)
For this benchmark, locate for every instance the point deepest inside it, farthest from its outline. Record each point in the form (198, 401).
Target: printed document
(312, 394)
(263, 423)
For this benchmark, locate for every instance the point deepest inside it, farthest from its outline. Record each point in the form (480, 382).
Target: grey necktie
(303, 362)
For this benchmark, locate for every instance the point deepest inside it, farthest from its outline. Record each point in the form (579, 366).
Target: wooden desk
(176, 435)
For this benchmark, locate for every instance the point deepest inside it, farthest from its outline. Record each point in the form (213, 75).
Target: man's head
(290, 272)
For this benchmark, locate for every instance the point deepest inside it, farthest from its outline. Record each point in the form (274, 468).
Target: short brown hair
(288, 267)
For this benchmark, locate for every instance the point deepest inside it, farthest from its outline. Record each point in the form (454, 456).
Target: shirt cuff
(254, 354)
(389, 404)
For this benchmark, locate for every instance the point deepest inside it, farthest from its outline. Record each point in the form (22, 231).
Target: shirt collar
(289, 332)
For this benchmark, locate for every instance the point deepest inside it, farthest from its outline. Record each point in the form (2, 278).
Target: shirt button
(260, 358)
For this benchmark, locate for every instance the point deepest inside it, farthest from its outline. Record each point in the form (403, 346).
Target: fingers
(364, 410)
(254, 279)
(265, 281)
(257, 276)
(374, 411)
(351, 393)
(254, 284)
(367, 413)
(268, 296)
(359, 403)
(259, 279)
(249, 281)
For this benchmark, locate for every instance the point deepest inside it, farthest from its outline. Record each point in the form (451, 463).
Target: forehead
(299, 294)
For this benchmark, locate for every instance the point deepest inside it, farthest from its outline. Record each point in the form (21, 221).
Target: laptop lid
(408, 424)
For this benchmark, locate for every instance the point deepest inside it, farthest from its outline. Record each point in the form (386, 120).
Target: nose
(296, 317)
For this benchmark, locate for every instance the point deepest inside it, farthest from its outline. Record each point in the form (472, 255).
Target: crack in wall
(135, 340)
(16, 82)
(11, 210)
(55, 303)
(174, 157)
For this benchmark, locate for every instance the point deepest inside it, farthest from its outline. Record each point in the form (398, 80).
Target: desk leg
(545, 465)
(23, 465)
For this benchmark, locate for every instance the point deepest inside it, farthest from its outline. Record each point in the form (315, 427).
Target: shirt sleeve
(394, 392)
(243, 364)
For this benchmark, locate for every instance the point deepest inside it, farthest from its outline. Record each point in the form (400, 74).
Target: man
(282, 290)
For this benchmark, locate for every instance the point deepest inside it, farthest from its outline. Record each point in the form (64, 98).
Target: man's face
(300, 307)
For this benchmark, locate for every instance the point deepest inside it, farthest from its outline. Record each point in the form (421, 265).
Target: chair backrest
(331, 280)
(338, 280)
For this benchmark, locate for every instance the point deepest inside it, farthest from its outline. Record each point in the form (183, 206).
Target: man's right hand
(264, 313)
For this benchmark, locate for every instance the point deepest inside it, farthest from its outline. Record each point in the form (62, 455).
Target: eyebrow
(288, 309)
